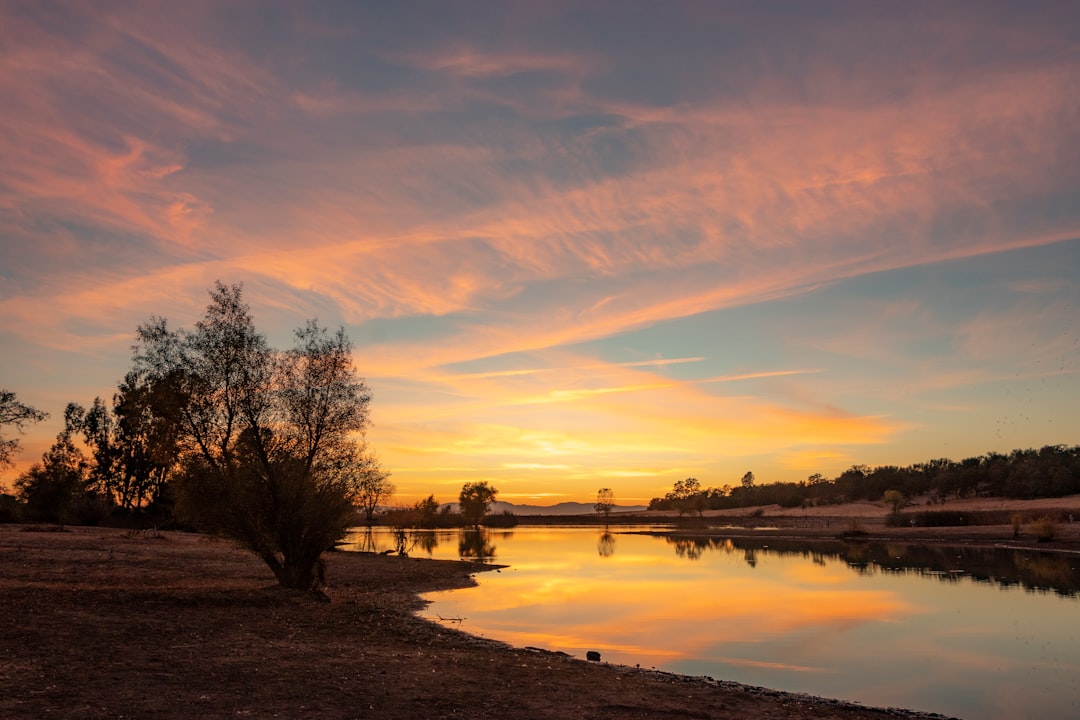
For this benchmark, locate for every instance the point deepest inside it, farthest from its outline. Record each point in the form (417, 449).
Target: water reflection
(862, 621)
(363, 541)
(471, 544)
(476, 545)
(1031, 570)
(605, 545)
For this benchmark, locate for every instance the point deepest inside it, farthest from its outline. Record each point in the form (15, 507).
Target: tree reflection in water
(425, 540)
(1030, 569)
(476, 544)
(605, 545)
(365, 542)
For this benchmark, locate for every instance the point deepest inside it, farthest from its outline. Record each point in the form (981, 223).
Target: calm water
(975, 634)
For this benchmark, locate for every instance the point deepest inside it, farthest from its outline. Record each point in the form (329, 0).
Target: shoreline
(106, 622)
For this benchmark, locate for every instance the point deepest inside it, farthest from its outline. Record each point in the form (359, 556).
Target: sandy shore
(104, 623)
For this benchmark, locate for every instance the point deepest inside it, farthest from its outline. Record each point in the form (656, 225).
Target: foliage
(686, 496)
(10, 508)
(1044, 529)
(426, 513)
(1052, 471)
(605, 501)
(135, 445)
(18, 415)
(895, 499)
(474, 500)
(267, 440)
(51, 488)
(372, 485)
(505, 519)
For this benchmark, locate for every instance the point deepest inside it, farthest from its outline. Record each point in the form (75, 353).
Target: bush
(10, 509)
(1043, 529)
(503, 520)
(91, 509)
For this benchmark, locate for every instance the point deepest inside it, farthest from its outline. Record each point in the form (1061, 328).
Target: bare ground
(102, 623)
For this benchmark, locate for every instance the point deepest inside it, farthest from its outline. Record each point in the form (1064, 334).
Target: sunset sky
(576, 245)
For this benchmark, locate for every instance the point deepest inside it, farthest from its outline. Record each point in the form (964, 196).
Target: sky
(576, 245)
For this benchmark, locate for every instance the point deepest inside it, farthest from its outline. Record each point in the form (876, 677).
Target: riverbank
(867, 521)
(104, 623)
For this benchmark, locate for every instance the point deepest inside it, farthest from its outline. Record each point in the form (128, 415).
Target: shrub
(503, 520)
(10, 508)
(1044, 529)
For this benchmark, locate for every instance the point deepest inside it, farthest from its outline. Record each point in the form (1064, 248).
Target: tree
(133, 447)
(427, 511)
(50, 488)
(373, 486)
(605, 501)
(268, 440)
(13, 412)
(474, 500)
(895, 499)
(686, 495)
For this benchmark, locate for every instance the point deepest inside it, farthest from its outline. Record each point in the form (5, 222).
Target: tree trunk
(298, 573)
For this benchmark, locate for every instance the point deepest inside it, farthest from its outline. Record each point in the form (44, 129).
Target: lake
(965, 632)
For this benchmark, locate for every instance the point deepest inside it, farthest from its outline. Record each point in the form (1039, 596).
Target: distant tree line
(474, 503)
(1053, 471)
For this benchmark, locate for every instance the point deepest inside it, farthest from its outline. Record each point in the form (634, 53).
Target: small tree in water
(268, 439)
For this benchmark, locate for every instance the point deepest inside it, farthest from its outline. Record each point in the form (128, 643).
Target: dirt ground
(102, 623)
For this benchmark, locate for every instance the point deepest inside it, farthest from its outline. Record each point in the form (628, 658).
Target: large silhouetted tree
(269, 440)
(15, 413)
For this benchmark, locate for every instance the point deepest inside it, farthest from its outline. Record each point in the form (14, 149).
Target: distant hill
(563, 508)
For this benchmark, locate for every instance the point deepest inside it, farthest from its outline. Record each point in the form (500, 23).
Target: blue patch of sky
(794, 332)
(209, 153)
(105, 251)
(150, 64)
(583, 123)
(407, 329)
(1050, 209)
